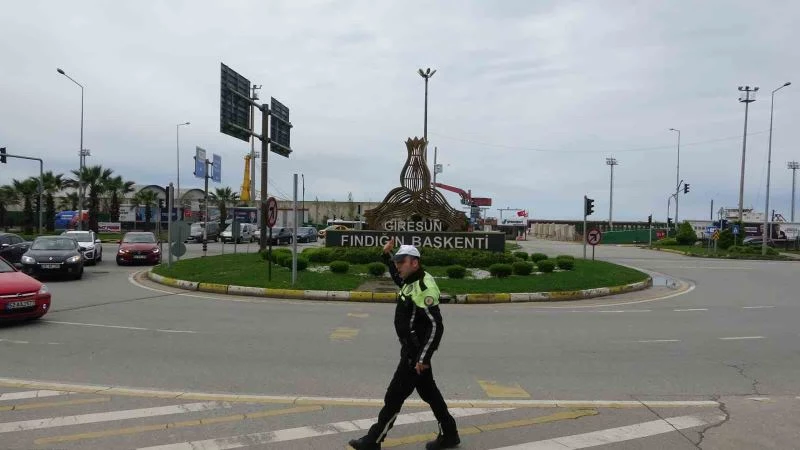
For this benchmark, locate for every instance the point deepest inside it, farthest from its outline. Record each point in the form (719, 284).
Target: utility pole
(745, 98)
(303, 212)
(253, 154)
(793, 166)
(611, 162)
(83, 153)
(677, 173)
(767, 230)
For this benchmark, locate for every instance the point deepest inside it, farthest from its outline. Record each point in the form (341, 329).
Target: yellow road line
(495, 390)
(26, 406)
(476, 429)
(344, 334)
(358, 315)
(170, 425)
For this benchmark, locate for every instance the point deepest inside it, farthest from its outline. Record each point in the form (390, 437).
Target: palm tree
(118, 188)
(148, 199)
(26, 191)
(222, 197)
(52, 185)
(94, 179)
(8, 197)
(69, 201)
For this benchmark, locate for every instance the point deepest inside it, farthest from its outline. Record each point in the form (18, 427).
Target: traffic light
(650, 220)
(160, 204)
(588, 207)
(685, 188)
(669, 222)
(2, 155)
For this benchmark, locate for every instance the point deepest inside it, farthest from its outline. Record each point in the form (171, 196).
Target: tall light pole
(426, 74)
(178, 161)
(82, 154)
(793, 166)
(767, 232)
(745, 98)
(677, 174)
(611, 162)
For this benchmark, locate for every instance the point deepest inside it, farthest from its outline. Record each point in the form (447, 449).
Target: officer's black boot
(447, 438)
(365, 443)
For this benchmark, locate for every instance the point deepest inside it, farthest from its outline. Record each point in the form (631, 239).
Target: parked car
(324, 231)
(12, 247)
(138, 247)
(306, 234)
(53, 255)
(758, 240)
(196, 231)
(246, 233)
(281, 235)
(21, 297)
(90, 245)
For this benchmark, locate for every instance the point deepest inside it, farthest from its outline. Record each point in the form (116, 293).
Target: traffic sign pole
(584, 227)
(169, 225)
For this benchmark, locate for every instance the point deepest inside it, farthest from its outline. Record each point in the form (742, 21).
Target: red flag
(522, 213)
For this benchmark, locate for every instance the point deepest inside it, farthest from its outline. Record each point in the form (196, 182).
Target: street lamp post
(426, 74)
(793, 166)
(745, 98)
(611, 162)
(767, 232)
(677, 174)
(82, 154)
(178, 161)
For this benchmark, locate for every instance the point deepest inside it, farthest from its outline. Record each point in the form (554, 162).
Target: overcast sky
(528, 100)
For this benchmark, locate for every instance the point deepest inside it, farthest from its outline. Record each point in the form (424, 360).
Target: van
(196, 231)
(246, 233)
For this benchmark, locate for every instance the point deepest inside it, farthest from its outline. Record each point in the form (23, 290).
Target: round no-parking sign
(593, 237)
(272, 211)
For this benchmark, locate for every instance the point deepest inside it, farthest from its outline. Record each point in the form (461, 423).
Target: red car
(138, 247)
(21, 297)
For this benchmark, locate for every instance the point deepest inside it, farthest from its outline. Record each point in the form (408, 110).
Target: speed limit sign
(594, 236)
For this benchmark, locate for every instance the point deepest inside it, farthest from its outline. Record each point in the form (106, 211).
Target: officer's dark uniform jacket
(417, 319)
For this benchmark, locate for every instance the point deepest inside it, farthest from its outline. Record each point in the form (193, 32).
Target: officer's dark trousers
(404, 381)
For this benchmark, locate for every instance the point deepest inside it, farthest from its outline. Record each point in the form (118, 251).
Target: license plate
(140, 257)
(51, 266)
(20, 304)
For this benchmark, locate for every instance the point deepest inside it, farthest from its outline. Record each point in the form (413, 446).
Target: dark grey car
(306, 234)
(12, 247)
(53, 255)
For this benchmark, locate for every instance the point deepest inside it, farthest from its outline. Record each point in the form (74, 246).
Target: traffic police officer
(418, 323)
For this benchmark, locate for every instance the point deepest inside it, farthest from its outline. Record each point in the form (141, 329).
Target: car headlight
(43, 290)
(27, 260)
(74, 259)
(122, 251)
(156, 250)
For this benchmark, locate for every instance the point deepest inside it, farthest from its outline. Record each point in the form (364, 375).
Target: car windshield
(144, 238)
(81, 237)
(5, 267)
(66, 243)
(198, 226)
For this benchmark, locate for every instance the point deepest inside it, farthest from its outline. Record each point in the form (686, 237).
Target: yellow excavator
(244, 195)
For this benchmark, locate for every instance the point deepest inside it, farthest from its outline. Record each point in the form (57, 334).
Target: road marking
(30, 394)
(292, 434)
(120, 327)
(625, 310)
(171, 425)
(14, 342)
(496, 390)
(647, 341)
(690, 309)
(620, 434)
(26, 406)
(740, 338)
(52, 422)
(476, 429)
(358, 315)
(344, 334)
(757, 307)
(347, 401)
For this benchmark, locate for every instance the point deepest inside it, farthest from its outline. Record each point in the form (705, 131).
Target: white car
(90, 245)
(247, 233)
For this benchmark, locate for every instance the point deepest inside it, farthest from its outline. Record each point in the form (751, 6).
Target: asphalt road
(719, 332)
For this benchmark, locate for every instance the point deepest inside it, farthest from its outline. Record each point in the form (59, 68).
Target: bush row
(283, 257)
(430, 256)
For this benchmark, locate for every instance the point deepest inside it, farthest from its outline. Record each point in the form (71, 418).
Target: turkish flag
(522, 213)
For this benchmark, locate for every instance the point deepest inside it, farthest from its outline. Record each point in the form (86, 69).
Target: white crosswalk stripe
(29, 395)
(52, 422)
(292, 434)
(619, 434)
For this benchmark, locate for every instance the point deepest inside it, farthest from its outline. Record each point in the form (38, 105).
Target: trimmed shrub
(522, 268)
(500, 270)
(686, 234)
(565, 264)
(726, 239)
(376, 269)
(319, 255)
(456, 272)
(546, 265)
(521, 255)
(536, 257)
(559, 257)
(667, 242)
(340, 266)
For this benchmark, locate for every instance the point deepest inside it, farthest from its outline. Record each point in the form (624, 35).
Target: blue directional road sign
(199, 163)
(216, 169)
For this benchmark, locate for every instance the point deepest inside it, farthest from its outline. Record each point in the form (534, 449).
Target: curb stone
(388, 297)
